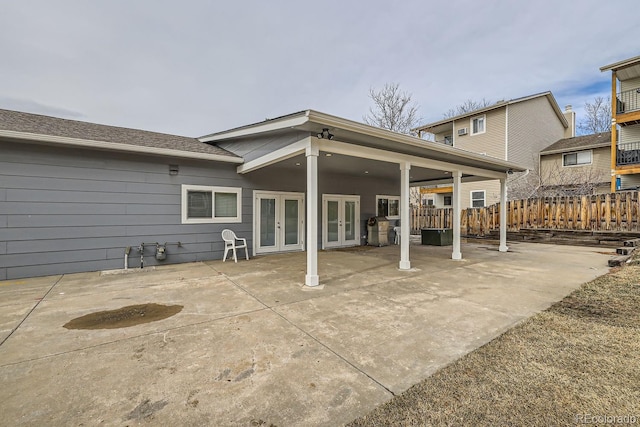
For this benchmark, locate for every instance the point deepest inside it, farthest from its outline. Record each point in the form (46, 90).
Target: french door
(340, 220)
(279, 222)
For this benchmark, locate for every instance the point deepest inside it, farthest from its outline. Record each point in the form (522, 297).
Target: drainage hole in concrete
(124, 317)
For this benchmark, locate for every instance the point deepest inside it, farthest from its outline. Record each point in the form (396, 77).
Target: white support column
(312, 279)
(503, 216)
(457, 181)
(405, 263)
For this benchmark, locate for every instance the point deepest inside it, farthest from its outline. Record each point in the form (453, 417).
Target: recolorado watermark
(605, 419)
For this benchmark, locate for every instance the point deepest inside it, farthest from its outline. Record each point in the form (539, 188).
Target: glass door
(333, 222)
(278, 222)
(267, 232)
(292, 223)
(341, 220)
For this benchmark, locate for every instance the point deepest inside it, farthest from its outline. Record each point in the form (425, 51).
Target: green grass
(578, 359)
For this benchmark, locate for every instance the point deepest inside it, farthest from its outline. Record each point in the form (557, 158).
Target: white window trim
(213, 220)
(484, 197)
(382, 196)
(444, 202)
(484, 117)
(576, 153)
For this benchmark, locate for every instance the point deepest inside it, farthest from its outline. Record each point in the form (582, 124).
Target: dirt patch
(124, 317)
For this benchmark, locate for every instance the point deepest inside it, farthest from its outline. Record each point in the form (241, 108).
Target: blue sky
(196, 67)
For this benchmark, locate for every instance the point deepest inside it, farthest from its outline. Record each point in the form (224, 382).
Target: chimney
(570, 115)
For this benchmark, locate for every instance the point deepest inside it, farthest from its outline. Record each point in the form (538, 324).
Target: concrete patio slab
(252, 346)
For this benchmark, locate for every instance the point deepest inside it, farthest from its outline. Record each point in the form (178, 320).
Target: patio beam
(457, 177)
(312, 152)
(337, 147)
(405, 263)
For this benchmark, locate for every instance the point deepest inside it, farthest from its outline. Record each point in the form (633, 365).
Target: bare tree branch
(468, 106)
(597, 116)
(554, 180)
(392, 109)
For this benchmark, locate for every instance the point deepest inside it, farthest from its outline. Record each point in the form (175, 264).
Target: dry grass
(581, 356)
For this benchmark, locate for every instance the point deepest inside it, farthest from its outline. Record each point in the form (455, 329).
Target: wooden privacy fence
(611, 212)
(425, 217)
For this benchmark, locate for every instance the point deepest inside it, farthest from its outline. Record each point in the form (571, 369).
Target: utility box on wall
(437, 236)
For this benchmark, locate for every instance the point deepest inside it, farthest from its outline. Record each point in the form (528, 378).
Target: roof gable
(498, 105)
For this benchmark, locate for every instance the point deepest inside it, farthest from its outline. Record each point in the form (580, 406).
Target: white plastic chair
(230, 240)
(397, 230)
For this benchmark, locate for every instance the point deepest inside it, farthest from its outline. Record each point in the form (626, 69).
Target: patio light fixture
(325, 134)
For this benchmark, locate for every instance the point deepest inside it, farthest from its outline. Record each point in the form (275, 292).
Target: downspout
(506, 133)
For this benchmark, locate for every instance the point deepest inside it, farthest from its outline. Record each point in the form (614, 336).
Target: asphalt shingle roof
(579, 142)
(45, 125)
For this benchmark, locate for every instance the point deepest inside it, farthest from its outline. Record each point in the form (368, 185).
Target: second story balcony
(628, 154)
(628, 101)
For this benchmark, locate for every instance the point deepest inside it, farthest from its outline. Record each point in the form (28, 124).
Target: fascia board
(574, 149)
(393, 157)
(115, 146)
(621, 64)
(276, 124)
(349, 125)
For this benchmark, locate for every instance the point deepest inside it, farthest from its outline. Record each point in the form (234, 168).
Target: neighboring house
(514, 130)
(578, 165)
(75, 195)
(625, 115)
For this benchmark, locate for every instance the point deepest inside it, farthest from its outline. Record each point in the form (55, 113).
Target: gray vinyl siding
(533, 126)
(630, 181)
(71, 210)
(66, 210)
(629, 84)
(629, 133)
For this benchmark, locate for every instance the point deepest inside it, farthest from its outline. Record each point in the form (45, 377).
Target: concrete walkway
(253, 347)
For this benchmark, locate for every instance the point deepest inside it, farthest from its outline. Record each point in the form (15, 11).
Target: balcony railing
(628, 153)
(629, 100)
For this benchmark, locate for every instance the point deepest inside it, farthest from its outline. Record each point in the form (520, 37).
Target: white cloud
(199, 67)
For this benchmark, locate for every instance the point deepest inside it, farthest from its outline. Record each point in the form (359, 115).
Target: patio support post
(312, 152)
(405, 263)
(503, 216)
(457, 181)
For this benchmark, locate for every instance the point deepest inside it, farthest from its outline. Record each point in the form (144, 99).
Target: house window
(448, 140)
(477, 199)
(388, 206)
(576, 159)
(447, 200)
(203, 204)
(478, 125)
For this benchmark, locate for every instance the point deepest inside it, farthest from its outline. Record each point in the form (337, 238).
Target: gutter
(348, 125)
(116, 146)
(574, 149)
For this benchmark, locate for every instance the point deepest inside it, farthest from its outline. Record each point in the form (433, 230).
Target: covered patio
(328, 145)
(252, 346)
